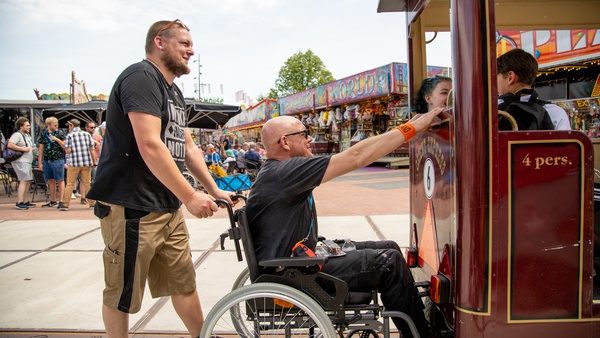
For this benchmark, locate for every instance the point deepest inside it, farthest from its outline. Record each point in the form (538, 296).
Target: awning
(91, 111)
(209, 115)
(200, 114)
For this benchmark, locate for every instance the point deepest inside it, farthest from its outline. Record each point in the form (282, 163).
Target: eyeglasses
(167, 26)
(91, 127)
(305, 132)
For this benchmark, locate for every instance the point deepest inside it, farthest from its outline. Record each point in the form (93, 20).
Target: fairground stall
(367, 102)
(246, 126)
(302, 106)
(343, 112)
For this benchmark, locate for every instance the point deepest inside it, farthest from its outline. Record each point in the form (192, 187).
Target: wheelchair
(291, 299)
(191, 179)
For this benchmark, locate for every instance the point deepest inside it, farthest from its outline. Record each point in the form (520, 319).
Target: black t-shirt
(52, 150)
(122, 177)
(278, 208)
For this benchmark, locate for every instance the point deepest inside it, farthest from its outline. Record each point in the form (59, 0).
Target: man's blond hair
(50, 120)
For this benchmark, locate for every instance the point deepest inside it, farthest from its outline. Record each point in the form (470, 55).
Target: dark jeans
(381, 266)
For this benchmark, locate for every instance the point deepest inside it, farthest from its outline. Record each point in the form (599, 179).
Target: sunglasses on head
(167, 26)
(305, 132)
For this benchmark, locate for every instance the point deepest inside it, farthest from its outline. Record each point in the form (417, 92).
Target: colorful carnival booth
(344, 112)
(302, 106)
(247, 125)
(348, 110)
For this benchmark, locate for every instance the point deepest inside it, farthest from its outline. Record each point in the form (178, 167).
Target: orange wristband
(408, 130)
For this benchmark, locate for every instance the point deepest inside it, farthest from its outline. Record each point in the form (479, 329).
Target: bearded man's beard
(174, 66)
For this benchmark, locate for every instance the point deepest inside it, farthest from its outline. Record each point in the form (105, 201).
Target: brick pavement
(50, 259)
(367, 191)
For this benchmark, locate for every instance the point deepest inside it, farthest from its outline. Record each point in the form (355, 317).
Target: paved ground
(51, 268)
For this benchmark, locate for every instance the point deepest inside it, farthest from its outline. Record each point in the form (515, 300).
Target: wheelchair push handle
(232, 223)
(229, 207)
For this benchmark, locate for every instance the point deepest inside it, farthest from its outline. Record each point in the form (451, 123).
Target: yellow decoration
(217, 170)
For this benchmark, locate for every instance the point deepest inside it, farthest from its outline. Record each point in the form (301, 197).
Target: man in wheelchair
(281, 211)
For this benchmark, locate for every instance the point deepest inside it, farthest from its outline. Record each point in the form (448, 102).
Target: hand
(40, 165)
(422, 121)
(201, 205)
(27, 149)
(225, 195)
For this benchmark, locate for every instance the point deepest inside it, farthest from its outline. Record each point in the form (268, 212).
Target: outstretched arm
(367, 151)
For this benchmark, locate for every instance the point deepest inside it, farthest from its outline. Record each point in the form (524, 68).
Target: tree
(271, 95)
(300, 71)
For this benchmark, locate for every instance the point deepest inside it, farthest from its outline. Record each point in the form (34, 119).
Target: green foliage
(271, 95)
(300, 71)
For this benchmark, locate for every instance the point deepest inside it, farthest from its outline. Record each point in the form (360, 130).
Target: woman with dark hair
(21, 141)
(222, 147)
(226, 145)
(433, 93)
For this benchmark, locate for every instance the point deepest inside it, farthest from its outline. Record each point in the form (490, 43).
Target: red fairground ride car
(502, 221)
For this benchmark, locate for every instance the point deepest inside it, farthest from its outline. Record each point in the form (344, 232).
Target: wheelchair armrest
(294, 262)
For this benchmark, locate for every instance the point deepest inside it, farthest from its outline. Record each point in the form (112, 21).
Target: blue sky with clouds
(242, 43)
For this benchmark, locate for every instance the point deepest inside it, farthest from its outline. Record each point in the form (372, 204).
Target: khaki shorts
(145, 245)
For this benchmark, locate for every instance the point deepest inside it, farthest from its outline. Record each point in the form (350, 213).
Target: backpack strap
(530, 114)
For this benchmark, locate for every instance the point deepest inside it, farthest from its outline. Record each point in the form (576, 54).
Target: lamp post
(199, 73)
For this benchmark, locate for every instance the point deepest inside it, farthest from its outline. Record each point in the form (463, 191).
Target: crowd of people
(59, 154)
(233, 159)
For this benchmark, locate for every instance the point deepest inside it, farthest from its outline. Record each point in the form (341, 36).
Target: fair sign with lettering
(370, 84)
(298, 102)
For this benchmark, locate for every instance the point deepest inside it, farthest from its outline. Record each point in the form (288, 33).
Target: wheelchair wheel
(250, 311)
(236, 310)
(191, 179)
(242, 280)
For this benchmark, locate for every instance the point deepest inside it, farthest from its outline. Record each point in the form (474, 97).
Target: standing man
(90, 127)
(79, 145)
(51, 159)
(139, 185)
(75, 192)
(21, 141)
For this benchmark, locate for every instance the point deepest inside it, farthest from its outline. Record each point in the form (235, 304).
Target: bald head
(273, 130)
